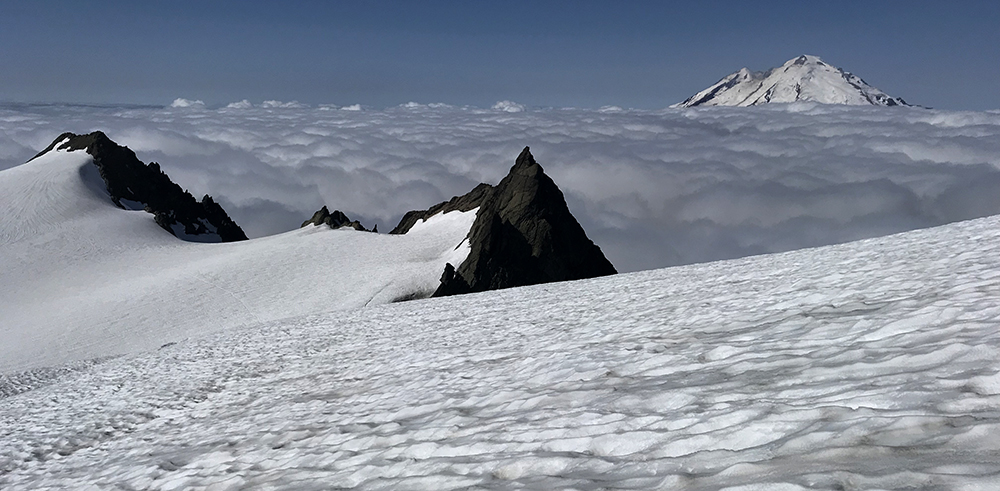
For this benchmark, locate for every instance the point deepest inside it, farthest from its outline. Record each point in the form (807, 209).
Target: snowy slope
(806, 78)
(868, 365)
(82, 278)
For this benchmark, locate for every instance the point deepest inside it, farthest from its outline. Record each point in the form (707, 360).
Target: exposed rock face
(523, 235)
(134, 185)
(336, 219)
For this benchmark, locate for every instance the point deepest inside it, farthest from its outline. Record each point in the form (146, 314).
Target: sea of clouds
(652, 188)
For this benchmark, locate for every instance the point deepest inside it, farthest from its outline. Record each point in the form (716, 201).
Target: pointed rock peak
(524, 234)
(525, 165)
(525, 158)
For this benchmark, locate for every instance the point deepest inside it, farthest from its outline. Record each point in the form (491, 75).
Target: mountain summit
(806, 78)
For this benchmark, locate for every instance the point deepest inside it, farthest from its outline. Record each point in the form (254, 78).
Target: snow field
(868, 365)
(83, 279)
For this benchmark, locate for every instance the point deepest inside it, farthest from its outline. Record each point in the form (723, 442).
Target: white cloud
(508, 106)
(652, 188)
(244, 104)
(283, 105)
(434, 105)
(178, 102)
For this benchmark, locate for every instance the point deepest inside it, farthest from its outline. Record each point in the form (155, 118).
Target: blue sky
(558, 53)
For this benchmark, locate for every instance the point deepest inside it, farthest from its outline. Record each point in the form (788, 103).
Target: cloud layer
(652, 188)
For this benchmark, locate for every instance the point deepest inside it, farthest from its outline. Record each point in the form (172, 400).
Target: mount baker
(806, 78)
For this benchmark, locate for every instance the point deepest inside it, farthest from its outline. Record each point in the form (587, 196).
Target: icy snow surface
(867, 365)
(81, 278)
(651, 188)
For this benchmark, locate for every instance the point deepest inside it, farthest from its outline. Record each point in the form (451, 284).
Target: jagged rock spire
(524, 234)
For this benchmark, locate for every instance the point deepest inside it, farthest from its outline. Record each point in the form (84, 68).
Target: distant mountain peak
(804, 78)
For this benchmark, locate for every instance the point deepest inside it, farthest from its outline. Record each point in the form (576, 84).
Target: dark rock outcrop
(337, 219)
(134, 185)
(523, 235)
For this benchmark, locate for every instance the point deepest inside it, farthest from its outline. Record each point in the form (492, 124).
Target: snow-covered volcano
(806, 78)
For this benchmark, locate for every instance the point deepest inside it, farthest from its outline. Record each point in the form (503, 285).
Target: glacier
(867, 365)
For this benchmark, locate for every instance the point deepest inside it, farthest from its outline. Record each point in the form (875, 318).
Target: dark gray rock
(132, 184)
(524, 234)
(337, 219)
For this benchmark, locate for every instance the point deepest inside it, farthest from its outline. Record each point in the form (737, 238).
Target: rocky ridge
(337, 219)
(524, 234)
(133, 185)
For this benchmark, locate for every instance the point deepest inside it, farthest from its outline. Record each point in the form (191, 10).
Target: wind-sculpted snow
(651, 188)
(869, 365)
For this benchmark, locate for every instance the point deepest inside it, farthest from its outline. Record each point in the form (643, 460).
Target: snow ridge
(806, 78)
